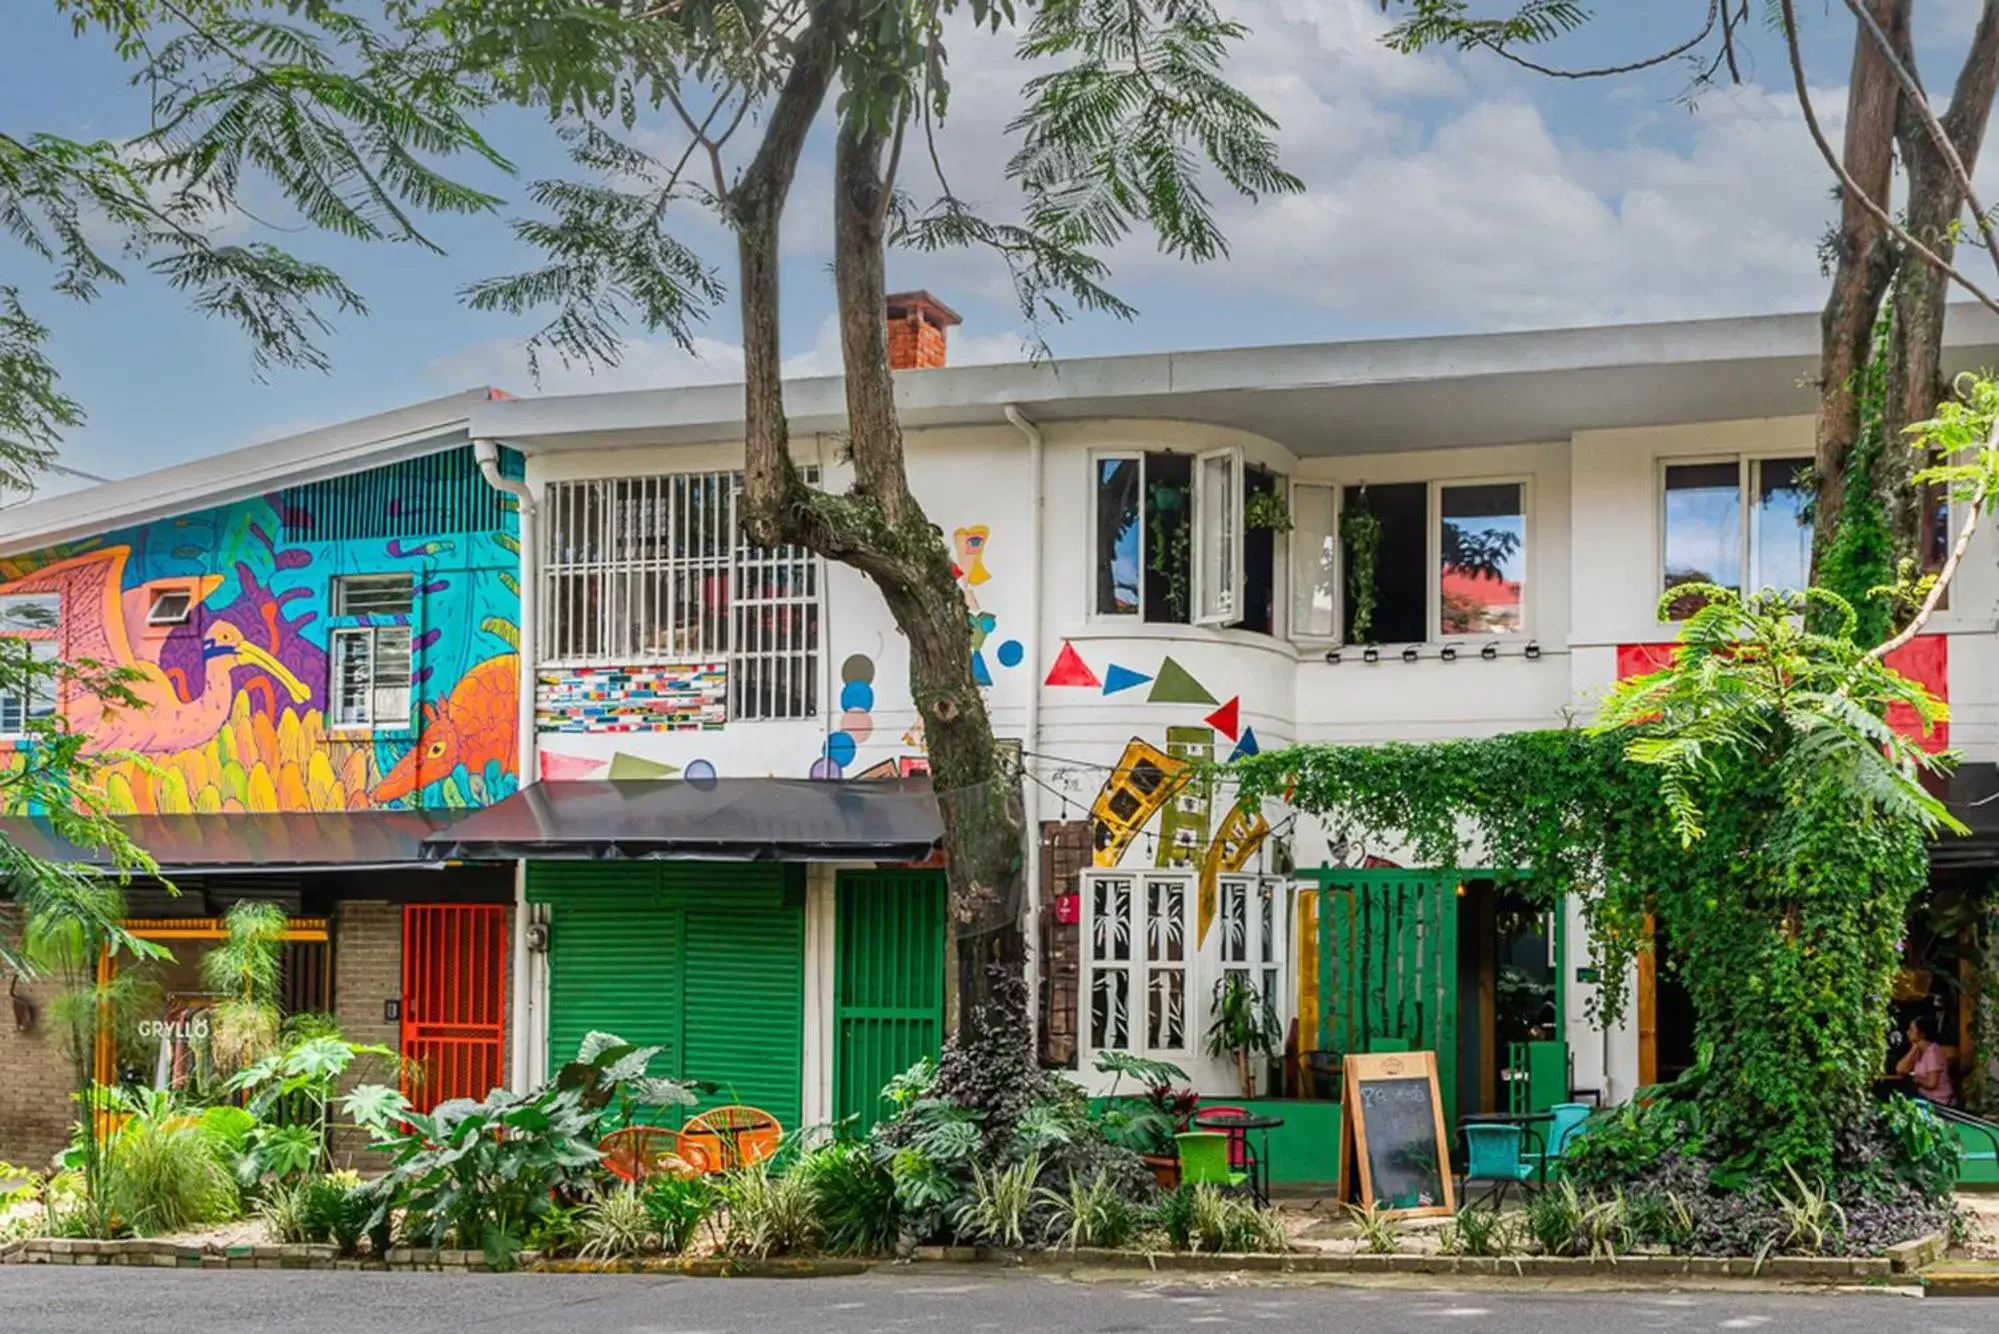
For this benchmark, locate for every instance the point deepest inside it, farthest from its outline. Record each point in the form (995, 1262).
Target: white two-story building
(1165, 557)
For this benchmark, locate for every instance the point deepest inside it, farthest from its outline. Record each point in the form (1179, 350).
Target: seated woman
(1927, 1063)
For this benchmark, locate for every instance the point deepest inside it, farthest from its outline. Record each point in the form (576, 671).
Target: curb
(1962, 1279)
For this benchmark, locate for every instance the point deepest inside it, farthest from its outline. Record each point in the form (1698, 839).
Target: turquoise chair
(1494, 1158)
(1567, 1119)
(1204, 1160)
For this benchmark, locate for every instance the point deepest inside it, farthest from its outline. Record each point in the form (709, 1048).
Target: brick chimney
(916, 325)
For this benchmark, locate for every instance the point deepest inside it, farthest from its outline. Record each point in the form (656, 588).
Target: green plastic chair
(1493, 1158)
(1204, 1160)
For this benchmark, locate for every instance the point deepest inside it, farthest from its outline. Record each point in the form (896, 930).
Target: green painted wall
(1305, 1150)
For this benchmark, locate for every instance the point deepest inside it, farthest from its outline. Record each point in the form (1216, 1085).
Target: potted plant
(1147, 1125)
(1243, 1027)
(1267, 509)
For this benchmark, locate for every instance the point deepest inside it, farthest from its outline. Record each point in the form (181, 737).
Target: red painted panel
(454, 1022)
(1924, 660)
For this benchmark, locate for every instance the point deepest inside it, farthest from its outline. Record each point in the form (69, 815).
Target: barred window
(27, 684)
(371, 663)
(655, 569)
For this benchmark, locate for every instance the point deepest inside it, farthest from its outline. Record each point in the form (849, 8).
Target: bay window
(1172, 542)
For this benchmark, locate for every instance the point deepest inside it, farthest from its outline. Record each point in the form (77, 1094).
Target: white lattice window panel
(655, 570)
(1140, 962)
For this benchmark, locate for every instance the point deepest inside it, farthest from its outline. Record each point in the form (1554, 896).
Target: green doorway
(888, 981)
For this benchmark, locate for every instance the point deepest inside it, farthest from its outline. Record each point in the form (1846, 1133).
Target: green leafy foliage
(854, 1196)
(289, 1094)
(1092, 1212)
(481, 1172)
(337, 1208)
(1376, 1226)
(995, 1210)
(767, 1212)
(1476, 1232)
(163, 1171)
(618, 1226)
(610, 1081)
(678, 1206)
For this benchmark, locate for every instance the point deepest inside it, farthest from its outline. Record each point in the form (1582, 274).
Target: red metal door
(454, 1010)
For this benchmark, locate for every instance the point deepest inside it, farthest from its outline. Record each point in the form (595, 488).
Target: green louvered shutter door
(614, 959)
(888, 984)
(744, 984)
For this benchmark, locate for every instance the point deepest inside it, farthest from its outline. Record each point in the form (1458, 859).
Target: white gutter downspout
(1031, 739)
(527, 987)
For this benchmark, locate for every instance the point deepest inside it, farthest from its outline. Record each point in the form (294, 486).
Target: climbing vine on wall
(1858, 559)
(1750, 797)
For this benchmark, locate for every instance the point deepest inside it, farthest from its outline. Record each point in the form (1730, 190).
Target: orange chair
(638, 1152)
(735, 1135)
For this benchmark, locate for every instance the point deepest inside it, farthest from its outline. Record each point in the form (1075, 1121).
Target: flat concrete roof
(1315, 399)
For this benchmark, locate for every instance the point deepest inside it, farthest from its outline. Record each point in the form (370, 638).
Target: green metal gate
(1385, 945)
(888, 984)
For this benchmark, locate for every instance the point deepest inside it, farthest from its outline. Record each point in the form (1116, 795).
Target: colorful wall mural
(236, 715)
(1153, 798)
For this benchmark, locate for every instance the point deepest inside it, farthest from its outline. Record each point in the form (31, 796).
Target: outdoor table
(1527, 1121)
(1259, 1176)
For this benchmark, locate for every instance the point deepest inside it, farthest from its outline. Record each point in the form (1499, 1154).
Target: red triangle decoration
(1071, 670)
(1227, 719)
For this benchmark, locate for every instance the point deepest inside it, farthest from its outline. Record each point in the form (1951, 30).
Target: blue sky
(1444, 194)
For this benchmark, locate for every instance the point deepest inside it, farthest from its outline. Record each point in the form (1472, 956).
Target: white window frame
(1300, 586)
(154, 616)
(1217, 537)
(1203, 963)
(1433, 544)
(1746, 465)
(1216, 608)
(736, 637)
(1138, 967)
(1099, 457)
(347, 585)
(24, 704)
(374, 637)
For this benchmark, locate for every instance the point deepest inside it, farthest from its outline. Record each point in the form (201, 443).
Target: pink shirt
(1931, 1074)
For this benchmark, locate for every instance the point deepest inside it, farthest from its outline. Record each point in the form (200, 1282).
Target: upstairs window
(29, 626)
(1173, 544)
(1725, 520)
(370, 664)
(1408, 562)
(656, 570)
(170, 606)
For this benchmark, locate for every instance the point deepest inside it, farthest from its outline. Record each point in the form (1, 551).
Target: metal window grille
(373, 595)
(421, 497)
(655, 569)
(371, 676)
(28, 690)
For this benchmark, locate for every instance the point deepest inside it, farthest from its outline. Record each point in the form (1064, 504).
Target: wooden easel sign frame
(1397, 1069)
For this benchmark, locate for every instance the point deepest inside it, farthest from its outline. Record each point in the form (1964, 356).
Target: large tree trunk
(1915, 382)
(1864, 261)
(878, 527)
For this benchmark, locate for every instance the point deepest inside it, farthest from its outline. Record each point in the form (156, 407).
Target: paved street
(74, 1301)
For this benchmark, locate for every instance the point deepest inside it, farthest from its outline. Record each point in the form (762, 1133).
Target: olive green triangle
(625, 766)
(1176, 685)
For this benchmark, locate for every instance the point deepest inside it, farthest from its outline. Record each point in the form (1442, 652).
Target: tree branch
(1847, 183)
(1934, 598)
(1714, 11)
(1918, 102)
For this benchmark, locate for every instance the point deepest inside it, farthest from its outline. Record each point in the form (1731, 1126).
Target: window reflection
(1484, 559)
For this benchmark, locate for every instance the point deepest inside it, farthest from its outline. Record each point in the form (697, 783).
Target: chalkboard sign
(1392, 1131)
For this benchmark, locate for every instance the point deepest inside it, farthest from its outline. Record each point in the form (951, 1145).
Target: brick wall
(35, 1077)
(367, 971)
(914, 344)
(1066, 852)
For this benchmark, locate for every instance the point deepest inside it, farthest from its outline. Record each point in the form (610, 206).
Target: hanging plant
(1360, 532)
(1266, 509)
(1171, 554)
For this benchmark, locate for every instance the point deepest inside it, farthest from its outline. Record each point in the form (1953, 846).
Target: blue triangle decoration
(981, 674)
(1118, 678)
(1245, 747)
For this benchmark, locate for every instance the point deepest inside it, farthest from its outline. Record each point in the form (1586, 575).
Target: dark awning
(241, 842)
(726, 819)
(1973, 797)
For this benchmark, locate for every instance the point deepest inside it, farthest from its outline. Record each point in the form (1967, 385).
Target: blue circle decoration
(825, 770)
(700, 773)
(1011, 653)
(857, 695)
(840, 749)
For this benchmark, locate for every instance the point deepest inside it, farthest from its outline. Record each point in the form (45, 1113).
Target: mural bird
(476, 724)
(100, 620)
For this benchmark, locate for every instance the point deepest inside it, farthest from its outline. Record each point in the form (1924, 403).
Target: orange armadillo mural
(475, 726)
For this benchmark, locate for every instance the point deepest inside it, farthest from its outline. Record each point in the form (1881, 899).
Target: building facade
(686, 777)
